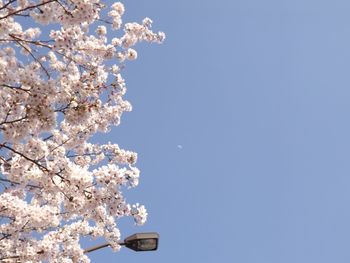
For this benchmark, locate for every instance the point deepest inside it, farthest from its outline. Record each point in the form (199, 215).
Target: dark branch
(25, 9)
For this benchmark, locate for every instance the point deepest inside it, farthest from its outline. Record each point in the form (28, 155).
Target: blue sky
(257, 94)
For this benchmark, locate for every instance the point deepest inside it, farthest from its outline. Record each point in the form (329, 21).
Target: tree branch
(25, 9)
(7, 4)
(25, 157)
(18, 41)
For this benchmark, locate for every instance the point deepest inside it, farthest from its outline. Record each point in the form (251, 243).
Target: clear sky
(241, 122)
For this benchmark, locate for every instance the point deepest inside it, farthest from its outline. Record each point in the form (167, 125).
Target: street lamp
(136, 242)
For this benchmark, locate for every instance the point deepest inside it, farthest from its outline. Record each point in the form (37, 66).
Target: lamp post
(137, 242)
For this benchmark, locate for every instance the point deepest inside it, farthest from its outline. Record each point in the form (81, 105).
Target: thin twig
(14, 87)
(31, 54)
(17, 183)
(25, 9)
(25, 157)
(13, 121)
(8, 3)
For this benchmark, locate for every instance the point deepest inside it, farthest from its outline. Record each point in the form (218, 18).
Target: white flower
(147, 22)
(131, 54)
(139, 214)
(101, 30)
(119, 7)
(116, 42)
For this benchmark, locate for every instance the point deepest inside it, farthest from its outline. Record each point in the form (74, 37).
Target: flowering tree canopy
(57, 89)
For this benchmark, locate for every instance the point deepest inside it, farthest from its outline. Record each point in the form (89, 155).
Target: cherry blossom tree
(61, 83)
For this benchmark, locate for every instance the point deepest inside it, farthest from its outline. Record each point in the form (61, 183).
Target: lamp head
(142, 241)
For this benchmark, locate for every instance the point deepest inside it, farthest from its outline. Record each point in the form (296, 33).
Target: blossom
(101, 30)
(119, 7)
(131, 54)
(57, 91)
(139, 213)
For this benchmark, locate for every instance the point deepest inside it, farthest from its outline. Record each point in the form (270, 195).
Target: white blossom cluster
(56, 92)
